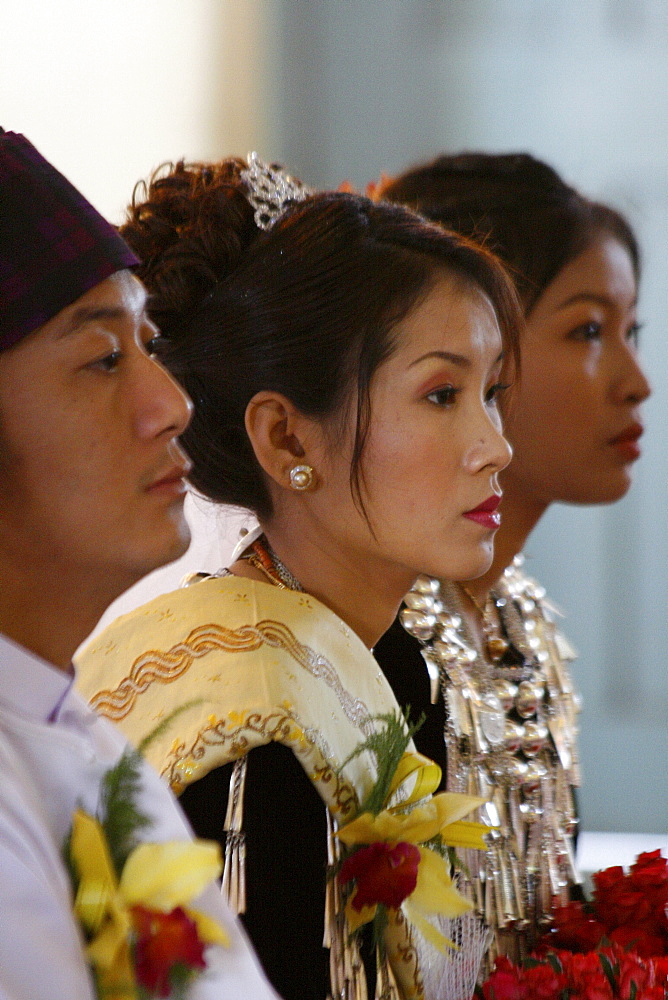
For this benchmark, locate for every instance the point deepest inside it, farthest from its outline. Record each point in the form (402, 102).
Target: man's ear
(278, 433)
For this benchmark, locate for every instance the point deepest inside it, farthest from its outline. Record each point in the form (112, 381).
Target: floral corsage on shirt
(131, 899)
(399, 850)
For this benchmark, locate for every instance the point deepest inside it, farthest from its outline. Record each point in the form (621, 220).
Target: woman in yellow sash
(346, 360)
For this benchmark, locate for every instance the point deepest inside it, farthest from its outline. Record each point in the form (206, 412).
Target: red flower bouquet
(628, 909)
(613, 948)
(608, 974)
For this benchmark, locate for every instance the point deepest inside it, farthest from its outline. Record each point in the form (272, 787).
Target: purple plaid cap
(54, 245)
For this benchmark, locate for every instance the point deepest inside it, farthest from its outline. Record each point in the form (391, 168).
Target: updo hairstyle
(306, 308)
(518, 206)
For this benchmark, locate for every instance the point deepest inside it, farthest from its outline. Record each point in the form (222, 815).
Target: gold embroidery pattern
(183, 762)
(405, 954)
(166, 667)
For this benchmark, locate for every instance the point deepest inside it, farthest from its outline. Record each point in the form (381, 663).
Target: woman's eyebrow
(600, 300)
(456, 359)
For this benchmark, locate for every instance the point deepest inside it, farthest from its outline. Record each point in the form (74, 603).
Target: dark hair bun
(190, 225)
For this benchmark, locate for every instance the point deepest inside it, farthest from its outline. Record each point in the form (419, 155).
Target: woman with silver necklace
(497, 680)
(346, 360)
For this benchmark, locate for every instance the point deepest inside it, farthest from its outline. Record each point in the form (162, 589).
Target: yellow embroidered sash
(259, 664)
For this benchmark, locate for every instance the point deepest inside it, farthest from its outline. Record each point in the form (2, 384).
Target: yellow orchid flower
(440, 816)
(155, 877)
(162, 876)
(394, 869)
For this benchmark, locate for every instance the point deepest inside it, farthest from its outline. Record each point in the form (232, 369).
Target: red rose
(617, 900)
(609, 877)
(543, 983)
(633, 976)
(384, 874)
(649, 869)
(649, 874)
(573, 929)
(641, 940)
(637, 900)
(586, 978)
(164, 940)
(506, 982)
(660, 966)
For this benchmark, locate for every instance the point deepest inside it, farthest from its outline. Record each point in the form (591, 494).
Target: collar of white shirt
(29, 685)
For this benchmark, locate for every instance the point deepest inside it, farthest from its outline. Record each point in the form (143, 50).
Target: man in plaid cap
(91, 498)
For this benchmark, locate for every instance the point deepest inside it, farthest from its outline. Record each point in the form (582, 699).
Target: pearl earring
(301, 478)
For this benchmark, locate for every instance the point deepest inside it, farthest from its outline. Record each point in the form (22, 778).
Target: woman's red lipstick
(486, 514)
(626, 443)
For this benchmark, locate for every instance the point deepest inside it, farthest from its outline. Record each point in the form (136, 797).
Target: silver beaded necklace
(510, 736)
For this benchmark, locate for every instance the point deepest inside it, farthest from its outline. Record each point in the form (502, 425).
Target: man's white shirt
(54, 752)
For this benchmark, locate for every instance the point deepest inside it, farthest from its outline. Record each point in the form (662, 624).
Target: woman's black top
(286, 836)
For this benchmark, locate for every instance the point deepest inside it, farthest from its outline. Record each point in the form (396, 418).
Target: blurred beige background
(344, 89)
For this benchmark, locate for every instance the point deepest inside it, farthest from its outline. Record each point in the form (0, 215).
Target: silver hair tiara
(271, 190)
